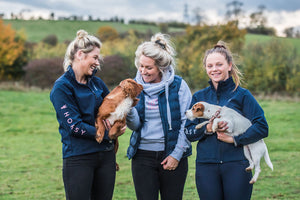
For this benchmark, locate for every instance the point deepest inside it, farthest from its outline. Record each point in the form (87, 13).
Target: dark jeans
(90, 176)
(227, 181)
(149, 177)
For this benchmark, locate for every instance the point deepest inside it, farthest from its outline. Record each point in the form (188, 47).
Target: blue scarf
(154, 88)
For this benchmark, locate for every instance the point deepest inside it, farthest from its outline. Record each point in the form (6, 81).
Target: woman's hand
(106, 124)
(225, 138)
(222, 127)
(169, 163)
(122, 131)
(117, 131)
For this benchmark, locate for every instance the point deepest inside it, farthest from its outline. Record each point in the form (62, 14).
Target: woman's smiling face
(149, 70)
(91, 61)
(217, 68)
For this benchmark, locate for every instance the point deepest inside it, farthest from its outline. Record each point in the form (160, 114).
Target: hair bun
(81, 34)
(160, 39)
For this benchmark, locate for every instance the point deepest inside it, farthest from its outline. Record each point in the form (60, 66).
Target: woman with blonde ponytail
(220, 163)
(89, 168)
(158, 146)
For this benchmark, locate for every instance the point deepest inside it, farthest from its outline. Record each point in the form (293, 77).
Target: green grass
(37, 30)
(30, 158)
(250, 38)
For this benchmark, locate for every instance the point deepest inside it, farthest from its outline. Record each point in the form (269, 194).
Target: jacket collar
(226, 85)
(70, 73)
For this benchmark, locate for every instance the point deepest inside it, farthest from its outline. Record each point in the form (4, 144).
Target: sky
(280, 14)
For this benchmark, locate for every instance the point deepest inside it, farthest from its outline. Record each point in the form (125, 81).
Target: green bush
(271, 67)
(43, 50)
(51, 40)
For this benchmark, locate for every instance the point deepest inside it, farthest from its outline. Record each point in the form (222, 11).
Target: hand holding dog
(170, 163)
(225, 138)
(108, 127)
(222, 127)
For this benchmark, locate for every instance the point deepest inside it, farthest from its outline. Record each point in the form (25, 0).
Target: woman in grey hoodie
(158, 146)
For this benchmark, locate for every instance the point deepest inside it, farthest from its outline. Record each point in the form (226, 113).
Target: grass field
(30, 158)
(250, 38)
(36, 30)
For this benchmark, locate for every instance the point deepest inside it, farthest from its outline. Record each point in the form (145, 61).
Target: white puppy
(237, 124)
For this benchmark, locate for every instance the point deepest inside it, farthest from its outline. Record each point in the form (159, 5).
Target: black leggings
(90, 176)
(149, 177)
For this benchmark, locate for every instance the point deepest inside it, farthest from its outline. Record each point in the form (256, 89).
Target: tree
(11, 47)
(191, 48)
(234, 11)
(107, 33)
(257, 18)
(289, 32)
(278, 73)
(52, 15)
(258, 23)
(163, 27)
(198, 16)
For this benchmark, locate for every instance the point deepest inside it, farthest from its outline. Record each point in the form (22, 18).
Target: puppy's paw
(99, 137)
(248, 169)
(214, 128)
(201, 125)
(198, 126)
(252, 181)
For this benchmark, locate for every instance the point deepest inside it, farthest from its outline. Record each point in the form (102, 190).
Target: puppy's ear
(200, 108)
(137, 88)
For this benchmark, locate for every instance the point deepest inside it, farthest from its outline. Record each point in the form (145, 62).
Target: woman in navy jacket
(88, 167)
(220, 162)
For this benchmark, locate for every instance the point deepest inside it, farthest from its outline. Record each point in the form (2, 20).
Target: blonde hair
(84, 42)
(222, 48)
(160, 48)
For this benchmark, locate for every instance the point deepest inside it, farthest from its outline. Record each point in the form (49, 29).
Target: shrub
(42, 50)
(107, 33)
(272, 66)
(42, 73)
(50, 39)
(114, 70)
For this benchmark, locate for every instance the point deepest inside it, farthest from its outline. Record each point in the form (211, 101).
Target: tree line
(268, 67)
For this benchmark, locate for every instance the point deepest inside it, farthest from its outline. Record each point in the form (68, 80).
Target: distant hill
(36, 30)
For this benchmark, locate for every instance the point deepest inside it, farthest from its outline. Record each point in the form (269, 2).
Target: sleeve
(68, 114)
(183, 143)
(259, 128)
(190, 131)
(133, 120)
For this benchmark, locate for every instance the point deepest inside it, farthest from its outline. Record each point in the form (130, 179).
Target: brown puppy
(115, 108)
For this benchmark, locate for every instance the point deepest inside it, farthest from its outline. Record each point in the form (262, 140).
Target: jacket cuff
(208, 133)
(177, 154)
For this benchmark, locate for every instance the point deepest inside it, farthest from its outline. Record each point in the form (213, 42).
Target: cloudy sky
(280, 13)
